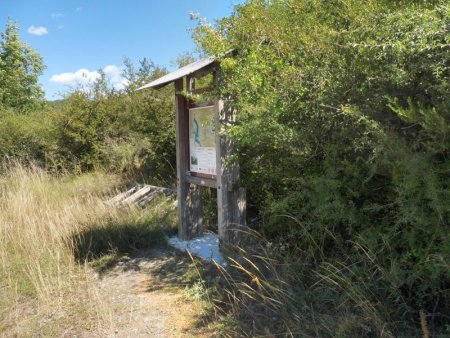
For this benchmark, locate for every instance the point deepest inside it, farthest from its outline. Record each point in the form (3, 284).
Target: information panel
(202, 141)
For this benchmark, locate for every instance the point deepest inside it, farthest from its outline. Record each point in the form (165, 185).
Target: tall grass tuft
(253, 297)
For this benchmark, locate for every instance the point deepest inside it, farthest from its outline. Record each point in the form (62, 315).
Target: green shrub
(125, 131)
(342, 135)
(30, 138)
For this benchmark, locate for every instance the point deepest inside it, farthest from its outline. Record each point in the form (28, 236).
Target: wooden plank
(140, 195)
(201, 72)
(182, 152)
(202, 175)
(202, 90)
(120, 197)
(148, 198)
(199, 67)
(154, 193)
(137, 195)
(205, 182)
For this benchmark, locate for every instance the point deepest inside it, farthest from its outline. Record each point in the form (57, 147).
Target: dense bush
(343, 138)
(342, 133)
(30, 137)
(117, 130)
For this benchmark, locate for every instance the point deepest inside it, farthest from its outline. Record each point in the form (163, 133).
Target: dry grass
(266, 291)
(253, 297)
(44, 288)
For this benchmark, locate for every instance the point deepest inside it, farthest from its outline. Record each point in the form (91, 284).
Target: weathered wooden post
(203, 153)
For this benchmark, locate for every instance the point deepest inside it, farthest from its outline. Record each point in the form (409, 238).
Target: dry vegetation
(48, 228)
(39, 275)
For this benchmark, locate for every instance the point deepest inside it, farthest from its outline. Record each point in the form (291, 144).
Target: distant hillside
(56, 103)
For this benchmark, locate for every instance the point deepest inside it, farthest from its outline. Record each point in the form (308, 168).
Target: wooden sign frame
(231, 205)
(231, 199)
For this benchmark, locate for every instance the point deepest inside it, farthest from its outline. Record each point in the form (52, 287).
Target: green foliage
(146, 72)
(183, 59)
(20, 67)
(343, 138)
(125, 131)
(30, 138)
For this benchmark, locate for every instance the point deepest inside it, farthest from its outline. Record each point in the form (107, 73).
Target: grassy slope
(49, 228)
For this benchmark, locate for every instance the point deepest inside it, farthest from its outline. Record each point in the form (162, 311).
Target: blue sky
(78, 37)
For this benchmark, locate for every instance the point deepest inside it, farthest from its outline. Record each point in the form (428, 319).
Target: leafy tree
(20, 67)
(183, 59)
(146, 72)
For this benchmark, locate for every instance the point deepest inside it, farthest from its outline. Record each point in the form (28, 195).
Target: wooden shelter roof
(179, 73)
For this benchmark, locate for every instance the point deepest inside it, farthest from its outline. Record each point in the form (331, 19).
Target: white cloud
(83, 77)
(114, 74)
(80, 77)
(57, 15)
(37, 30)
(112, 70)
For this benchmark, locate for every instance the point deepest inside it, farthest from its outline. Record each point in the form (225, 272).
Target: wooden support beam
(238, 213)
(182, 149)
(205, 70)
(195, 211)
(205, 182)
(222, 179)
(231, 198)
(189, 198)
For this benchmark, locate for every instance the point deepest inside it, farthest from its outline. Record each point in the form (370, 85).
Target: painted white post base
(205, 247)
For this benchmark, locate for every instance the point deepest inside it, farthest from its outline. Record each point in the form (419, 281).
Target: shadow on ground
(118, 239)
(138, 254)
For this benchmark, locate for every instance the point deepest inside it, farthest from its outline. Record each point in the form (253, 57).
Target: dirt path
(140, 295)
(147, 295)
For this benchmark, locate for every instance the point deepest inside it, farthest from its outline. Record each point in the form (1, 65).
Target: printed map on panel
(202, 126)
(202, 142)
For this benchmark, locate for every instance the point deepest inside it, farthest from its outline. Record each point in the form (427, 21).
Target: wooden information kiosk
(203, 154)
